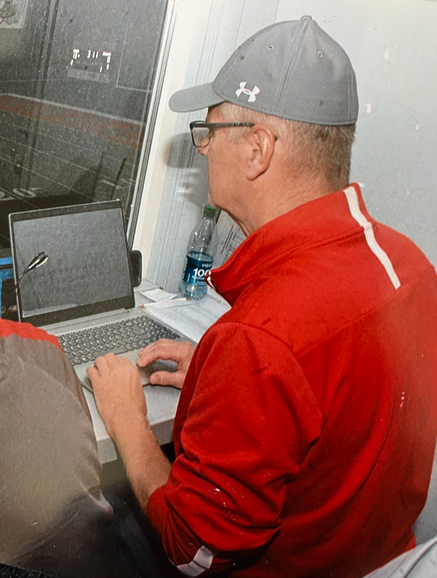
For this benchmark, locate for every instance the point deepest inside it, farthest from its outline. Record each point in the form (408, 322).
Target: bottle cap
(209, 210)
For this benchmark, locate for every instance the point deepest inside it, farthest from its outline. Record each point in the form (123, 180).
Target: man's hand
(120, 400)
(180, 352)
(118, 393)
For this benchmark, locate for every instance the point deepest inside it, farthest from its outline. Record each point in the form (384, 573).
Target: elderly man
(307, 421)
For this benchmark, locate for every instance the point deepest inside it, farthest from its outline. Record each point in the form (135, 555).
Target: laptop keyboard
(118, 337)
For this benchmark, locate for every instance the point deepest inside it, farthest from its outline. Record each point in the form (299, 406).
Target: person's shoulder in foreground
(52, 511)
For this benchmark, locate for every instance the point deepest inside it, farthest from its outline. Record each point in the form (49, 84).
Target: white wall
(393, 49)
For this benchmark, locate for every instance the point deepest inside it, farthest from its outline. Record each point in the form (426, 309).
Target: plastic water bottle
(200, 255)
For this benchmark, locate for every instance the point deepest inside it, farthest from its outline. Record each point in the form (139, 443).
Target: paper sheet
(230, 237)
(158, 294)
(188, 316)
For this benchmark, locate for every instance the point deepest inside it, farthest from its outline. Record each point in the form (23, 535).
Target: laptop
(73, 278)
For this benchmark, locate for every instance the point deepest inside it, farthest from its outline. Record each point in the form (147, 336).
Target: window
(76, 85)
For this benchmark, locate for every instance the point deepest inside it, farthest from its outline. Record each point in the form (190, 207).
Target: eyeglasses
(202, 131)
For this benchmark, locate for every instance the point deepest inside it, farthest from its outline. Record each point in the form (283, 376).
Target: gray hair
(314, 150)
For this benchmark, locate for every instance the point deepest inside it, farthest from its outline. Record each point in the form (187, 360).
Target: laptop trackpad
(160, 365)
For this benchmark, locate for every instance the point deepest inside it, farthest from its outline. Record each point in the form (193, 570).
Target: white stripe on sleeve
(200, 563)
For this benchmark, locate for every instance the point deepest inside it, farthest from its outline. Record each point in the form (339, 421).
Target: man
(53, 516)
(306, 426)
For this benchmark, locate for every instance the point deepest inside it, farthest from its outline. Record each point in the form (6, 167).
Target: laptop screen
(87, 268)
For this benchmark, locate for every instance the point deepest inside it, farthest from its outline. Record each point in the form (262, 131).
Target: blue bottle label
(196, 266)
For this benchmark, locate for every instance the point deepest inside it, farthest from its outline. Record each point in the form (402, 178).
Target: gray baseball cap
(291, 69)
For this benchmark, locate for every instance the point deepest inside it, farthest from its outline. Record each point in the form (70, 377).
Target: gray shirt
(52, 511)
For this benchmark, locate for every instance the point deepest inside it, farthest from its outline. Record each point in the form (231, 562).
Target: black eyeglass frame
(213, 126)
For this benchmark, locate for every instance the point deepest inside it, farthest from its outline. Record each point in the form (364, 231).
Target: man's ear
(262, 146)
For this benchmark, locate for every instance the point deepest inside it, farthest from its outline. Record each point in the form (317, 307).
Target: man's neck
(268, 204)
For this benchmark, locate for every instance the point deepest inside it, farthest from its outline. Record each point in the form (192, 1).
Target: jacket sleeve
(52, 511)
(247, 428)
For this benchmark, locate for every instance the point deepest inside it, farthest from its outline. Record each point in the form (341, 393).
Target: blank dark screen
(87, 260)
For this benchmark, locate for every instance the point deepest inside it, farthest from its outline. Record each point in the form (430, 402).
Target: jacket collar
(316, 222)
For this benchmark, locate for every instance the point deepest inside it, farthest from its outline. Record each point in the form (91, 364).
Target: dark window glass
(76, 80)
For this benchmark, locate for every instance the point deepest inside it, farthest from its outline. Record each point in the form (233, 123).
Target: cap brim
(195, 98)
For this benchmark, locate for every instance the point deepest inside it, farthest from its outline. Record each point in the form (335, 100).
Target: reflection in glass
(75, 90)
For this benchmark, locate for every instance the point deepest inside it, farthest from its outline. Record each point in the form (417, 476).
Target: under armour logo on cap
(252, 93)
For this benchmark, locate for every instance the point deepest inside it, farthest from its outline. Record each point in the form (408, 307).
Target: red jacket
(306, 427)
